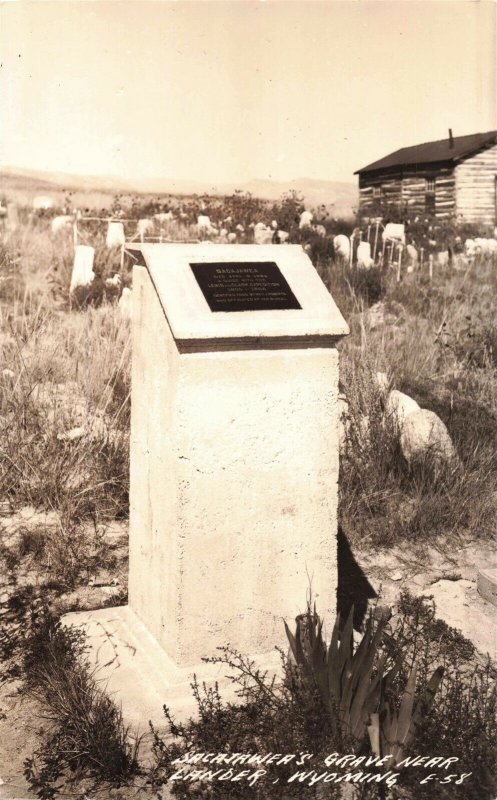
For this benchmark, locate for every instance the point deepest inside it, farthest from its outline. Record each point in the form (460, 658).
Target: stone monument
(234, 458)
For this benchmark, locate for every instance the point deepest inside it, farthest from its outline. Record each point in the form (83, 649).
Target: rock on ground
(399, 405)
(377, 316)
(423, 433)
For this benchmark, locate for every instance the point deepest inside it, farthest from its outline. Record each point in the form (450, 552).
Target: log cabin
(453, 178)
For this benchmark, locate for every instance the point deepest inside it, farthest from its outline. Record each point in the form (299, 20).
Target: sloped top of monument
(228, 293)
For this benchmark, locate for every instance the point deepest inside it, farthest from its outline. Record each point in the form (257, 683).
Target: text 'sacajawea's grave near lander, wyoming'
(234, 465)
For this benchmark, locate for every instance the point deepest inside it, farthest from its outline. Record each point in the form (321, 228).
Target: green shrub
(303, 713)
(284, 716)
(462, 722)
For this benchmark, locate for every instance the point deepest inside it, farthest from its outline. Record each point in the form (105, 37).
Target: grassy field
(65, 398)
(438, 344)
(436, 340)
(65, 414)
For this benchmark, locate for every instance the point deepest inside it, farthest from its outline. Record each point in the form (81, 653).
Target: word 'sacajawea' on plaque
(244, 286)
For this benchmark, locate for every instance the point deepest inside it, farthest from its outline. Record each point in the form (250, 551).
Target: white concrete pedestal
(135, 670)
(234, 456)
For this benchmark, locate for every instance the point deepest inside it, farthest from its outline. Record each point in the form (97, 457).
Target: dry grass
(86, 734)
(66, 369)
(70, 369)
(63, 372)
(440, 350)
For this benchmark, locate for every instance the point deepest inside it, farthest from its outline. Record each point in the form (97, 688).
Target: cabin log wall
(390, 185)
(476, 187)
(408, 188)
(467, 191)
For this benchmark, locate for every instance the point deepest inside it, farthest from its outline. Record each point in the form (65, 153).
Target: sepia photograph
(248, 399)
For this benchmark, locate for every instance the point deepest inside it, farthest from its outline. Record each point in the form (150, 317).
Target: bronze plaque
(244, 286)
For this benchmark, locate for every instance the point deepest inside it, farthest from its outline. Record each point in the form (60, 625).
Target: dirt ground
(424, 570)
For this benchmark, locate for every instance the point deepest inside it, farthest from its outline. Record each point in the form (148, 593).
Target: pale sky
(232, 90)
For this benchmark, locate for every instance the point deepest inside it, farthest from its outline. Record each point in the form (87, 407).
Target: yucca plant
(354, 685)
(344, 678)
(391, 732)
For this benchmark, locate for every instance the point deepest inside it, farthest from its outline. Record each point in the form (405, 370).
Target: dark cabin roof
(434, 152)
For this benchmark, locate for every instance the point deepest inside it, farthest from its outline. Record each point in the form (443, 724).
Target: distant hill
(338, 197)
(59, 180)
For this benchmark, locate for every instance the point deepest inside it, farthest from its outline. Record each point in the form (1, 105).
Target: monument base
(139, 675)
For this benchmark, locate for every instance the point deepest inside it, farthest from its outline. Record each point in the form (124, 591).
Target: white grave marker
(115, 234)
(82, 271)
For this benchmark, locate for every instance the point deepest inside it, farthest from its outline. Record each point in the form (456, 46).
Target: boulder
(424, 434)
(399, 406)
(377, 316)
